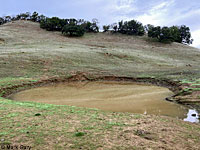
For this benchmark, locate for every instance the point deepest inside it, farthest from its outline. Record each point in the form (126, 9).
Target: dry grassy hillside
(38, 52)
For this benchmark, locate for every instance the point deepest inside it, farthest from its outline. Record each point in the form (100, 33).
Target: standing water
(108, 96)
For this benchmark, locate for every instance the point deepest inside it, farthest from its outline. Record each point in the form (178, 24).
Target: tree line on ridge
(78, 27)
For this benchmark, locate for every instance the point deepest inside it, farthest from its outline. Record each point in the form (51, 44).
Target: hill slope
(49, 52)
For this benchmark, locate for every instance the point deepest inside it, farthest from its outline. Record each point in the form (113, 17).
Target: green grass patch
(187, 81)
(193, 82)
(11, 115)
(14, 81)
(3, 133)
(137, 116)
(191, 89)
(195, 85)
(78, 134)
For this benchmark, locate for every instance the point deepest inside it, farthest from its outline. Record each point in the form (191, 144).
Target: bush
(176, 34)
(114, 27)
(185, 35)
(106, 28)
(132, 27)
(52, 24)
(34, 17)
(1, 21)
(90, 26)
(163, 35)
(166, 35)
(73, 30)
(170, 34)
(87, 26)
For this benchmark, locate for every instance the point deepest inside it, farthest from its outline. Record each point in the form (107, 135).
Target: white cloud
(124, 5)
(116, 10)
(178, 16)
(119, 6)
(162, 6)
(149, 19)
(196, 37)
(156, 15)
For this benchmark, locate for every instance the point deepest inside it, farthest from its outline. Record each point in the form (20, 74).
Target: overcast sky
(156, 12)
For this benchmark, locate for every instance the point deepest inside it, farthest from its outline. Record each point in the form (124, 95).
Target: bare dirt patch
(2, 41)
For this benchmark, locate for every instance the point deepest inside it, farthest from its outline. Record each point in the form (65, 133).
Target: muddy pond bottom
(108, 96)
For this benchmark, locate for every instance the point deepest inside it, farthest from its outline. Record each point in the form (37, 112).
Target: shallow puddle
(108, 96)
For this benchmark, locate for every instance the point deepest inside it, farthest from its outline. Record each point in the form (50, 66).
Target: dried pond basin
(108, 96)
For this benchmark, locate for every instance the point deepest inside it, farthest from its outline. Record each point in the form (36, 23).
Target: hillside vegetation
(38, 52)
(29, 54)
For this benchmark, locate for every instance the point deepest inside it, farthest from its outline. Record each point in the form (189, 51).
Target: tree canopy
(131, 27)
(53, 24)
(180, 34)
(69, 26)
(106, 28)
(73, 30)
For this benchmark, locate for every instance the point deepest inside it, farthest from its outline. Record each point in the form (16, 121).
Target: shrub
(52, 24)
(106, 28)
(166, 35)
(170, 34)
(114, 27)
(1, 21)
(34, 17)
(132, 27)
(185, 35)
(154, 32)
(176, 35)
(73, 30)
(90, 26)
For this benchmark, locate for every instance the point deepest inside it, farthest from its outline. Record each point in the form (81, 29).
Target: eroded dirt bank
(6, 91)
